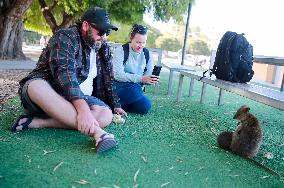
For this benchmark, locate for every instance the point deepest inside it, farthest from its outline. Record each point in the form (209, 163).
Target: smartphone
(156, 70)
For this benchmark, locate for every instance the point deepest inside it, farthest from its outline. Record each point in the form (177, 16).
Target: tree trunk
(186, 33)
(11, 28)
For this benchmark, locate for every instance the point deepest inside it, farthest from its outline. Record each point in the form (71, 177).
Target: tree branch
(67, 19)
(52, 5)
(50, 20)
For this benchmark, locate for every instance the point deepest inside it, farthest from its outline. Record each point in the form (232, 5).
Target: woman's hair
(140, 29)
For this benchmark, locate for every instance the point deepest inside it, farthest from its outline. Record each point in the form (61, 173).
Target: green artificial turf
(172, 146)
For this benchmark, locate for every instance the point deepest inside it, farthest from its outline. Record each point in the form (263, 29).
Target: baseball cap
(99, 17)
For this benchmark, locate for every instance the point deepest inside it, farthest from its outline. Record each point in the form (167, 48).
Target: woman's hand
(152, 79)
(119, 111)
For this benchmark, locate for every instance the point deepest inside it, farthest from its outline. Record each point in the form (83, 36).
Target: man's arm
(105, 59)
(63, 65)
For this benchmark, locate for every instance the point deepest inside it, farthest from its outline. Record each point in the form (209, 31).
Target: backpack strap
(126, 54)
(147, 57)
(230, 40)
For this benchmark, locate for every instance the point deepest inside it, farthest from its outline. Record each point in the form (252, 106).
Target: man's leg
(62, 112)
(102, 114)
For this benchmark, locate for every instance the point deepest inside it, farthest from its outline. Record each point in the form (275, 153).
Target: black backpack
(234, 58)
(126, 54)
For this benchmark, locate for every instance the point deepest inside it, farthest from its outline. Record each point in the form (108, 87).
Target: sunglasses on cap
(139, 29)
(100, 33)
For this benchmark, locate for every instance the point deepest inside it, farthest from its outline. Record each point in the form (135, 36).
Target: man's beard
(91, 42)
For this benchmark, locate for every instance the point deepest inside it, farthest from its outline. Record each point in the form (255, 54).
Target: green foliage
(164, 10)
(151, 40)
(123, 34)
(31, 37)
(127, 11)
(123, 11)
(168, 43)
(35, 21)
(198, 47)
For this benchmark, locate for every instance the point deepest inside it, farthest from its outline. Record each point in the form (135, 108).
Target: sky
(260, 20)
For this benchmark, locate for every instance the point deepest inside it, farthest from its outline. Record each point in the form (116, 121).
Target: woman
(131, 72)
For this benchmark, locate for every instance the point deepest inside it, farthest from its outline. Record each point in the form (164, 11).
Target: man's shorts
(33, 109)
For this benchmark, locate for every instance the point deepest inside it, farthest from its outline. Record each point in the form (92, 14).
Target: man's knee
(103, 115)
(38, 87)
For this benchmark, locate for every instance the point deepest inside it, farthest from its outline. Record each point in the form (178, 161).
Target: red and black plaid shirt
(63, 64)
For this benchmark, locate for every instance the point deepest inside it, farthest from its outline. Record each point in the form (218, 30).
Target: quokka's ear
(243, 109)
(246, 108)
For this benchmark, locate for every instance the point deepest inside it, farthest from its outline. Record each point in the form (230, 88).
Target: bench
(175, 67)
(264, 95)
(272, 60)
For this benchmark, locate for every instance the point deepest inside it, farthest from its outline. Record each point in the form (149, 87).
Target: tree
(168, 43)
(50, 15)
(11, 28)
(198, 47)
(47, 16)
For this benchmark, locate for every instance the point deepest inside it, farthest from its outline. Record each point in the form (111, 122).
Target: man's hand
(119, 111)
(146, 79)
(86, 122)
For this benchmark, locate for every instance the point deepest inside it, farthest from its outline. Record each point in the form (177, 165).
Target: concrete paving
(17, 65)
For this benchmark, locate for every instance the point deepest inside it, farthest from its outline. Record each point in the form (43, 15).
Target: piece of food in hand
(118, 119)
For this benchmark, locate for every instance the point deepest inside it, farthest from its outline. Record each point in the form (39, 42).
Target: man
(72, 82)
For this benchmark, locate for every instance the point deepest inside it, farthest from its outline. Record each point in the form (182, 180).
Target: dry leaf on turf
(47, 152)
(164, 184)
(144, 159)
(135, 175)
(57, 166)
(82, 182)
(268, 155)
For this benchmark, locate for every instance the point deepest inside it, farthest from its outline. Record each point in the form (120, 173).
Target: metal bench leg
(282, 84)
(179, 93)
(157, 88)
(203, 92)
(170, 85)
(221, 95)
(191, 87)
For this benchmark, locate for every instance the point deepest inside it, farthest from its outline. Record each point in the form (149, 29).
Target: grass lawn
(172, 146)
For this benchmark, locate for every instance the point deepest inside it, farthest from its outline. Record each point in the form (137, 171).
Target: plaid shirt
(64, 65)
